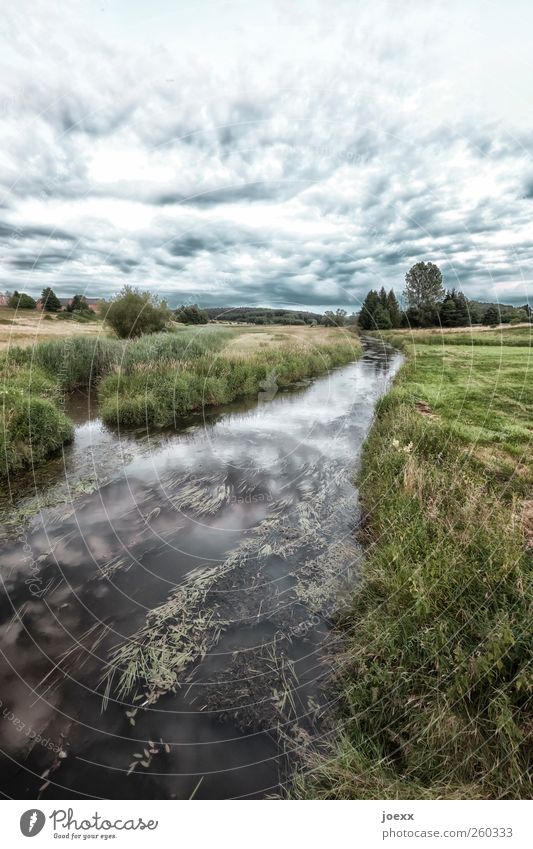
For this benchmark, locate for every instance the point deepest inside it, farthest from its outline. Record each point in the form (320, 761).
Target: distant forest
(264, 315)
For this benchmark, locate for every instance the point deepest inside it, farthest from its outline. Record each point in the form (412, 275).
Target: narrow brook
(207, 565)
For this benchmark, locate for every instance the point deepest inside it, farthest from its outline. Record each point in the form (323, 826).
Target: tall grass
(161, 392)
(32, 424)
(81, 360)
(435, 682)
(34, 380)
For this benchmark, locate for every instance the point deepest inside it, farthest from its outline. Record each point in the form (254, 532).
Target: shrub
(22, 301)
(79, 304)
(133, 313)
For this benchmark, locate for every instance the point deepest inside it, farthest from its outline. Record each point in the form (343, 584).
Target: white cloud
(265, 153)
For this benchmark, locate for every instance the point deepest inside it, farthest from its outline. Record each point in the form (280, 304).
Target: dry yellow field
(251, 339)
(26, 327)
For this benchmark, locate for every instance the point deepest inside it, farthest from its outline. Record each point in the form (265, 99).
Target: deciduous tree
(424, 290)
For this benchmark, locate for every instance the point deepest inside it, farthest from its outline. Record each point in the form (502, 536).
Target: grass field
(435, 681)
(28, 327)
(151, 381)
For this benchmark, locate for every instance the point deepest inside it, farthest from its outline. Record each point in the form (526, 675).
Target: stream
(233, 538)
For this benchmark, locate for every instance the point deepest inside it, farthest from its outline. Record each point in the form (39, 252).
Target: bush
(79, 304)
(118, 411)
(21, 301)
(133, 313)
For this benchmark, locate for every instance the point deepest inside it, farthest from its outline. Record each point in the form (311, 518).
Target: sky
(291, 154)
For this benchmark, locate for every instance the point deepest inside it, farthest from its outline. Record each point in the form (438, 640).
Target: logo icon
(32, 822)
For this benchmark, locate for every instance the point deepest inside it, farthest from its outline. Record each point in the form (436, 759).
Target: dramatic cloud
(241, 153)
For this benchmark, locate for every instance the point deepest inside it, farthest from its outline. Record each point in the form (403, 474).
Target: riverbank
(434, 689)
(150, 382)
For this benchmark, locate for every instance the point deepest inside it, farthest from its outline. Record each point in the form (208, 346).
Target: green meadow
(434, 682)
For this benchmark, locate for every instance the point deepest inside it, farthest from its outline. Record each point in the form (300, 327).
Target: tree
(382, 318)
(366, 316)
(463, 310)
(491, 316)
(191, 314)
(448, 313)
(424, 290)
(413, 317)
(50, 301)
(517, 316)
(132, 313)
(21, 301)
(393, 308)
(334, 319)
(475, 312)
(79, 304)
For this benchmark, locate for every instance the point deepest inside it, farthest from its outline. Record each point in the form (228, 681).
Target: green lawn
(435, 682)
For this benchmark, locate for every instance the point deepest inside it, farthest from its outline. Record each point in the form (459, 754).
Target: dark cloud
(43, 260)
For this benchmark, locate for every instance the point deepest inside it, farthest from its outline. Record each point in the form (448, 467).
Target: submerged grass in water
(435, 684)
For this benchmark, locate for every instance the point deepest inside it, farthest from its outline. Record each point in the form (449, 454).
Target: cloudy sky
(291, 153)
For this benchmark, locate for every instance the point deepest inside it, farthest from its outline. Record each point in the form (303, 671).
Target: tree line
(49, 302)
(428, 304)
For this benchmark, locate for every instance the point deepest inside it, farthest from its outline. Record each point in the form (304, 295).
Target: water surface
(257, 507)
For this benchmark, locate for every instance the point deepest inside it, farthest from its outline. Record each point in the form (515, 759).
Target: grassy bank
(435, 682)
(151, 381)
(160, 391)
(32, 424)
